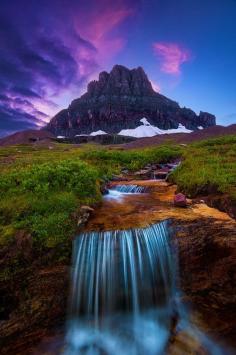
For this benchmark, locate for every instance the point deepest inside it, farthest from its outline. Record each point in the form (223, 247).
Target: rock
(206, 119)
(142, 172)
(118, 178)
(206, 249)
(104, 139)
(37, 303)
(161, 173)
(118, 100)
(86, 209)
(104, 189)
(84, 214)
(180, 200)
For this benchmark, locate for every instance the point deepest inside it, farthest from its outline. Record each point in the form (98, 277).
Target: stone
(118, 178)
(86, 209)
(206, 248)
(180, 200)
(161, 173)
(104, 189)
(84, 214)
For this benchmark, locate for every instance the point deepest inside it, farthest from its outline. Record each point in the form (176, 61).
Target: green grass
(208, 166)
(41, 190)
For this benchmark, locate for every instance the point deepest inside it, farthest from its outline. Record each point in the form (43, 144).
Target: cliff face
(118, 100)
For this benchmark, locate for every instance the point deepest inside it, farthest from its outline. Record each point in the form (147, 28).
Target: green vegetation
(42, 189)
(208, 167)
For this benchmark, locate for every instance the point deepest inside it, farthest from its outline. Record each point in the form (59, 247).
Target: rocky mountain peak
(118, 101)
(121, 81)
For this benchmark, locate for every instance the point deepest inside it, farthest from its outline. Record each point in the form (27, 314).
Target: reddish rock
(207, 254)
(180, 200)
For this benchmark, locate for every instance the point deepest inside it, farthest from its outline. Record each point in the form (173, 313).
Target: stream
(125, 296)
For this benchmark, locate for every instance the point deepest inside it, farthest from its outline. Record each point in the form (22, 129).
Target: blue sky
(50, 51)
(208, 30)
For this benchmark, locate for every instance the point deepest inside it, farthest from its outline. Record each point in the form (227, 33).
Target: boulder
(180, 200)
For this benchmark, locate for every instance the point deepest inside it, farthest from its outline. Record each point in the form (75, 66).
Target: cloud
(171, 56)
(156, 86)
(50, 50)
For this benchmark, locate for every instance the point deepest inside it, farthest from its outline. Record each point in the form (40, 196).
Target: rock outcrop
(118, 100)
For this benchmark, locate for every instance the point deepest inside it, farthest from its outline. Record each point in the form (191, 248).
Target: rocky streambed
(206, 241)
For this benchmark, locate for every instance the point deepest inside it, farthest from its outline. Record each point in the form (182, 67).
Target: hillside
(26, 137)
(182, 138)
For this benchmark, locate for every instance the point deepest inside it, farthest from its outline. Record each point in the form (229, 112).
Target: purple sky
(49, 50)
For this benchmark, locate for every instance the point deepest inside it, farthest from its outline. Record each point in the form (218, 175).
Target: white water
(124, 297)
(129, 189)
(122, 292)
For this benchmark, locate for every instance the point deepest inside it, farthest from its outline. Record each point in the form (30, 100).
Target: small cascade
(164, 171)
(123, 288)
(130, 189)
(124, 299)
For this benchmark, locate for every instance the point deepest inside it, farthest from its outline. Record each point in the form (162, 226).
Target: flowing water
(123, 291)
(124, 298)
(128, 188)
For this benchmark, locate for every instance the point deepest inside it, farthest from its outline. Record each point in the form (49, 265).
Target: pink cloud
(98, 36)
(102, 28)
(172, 56)
(156, 86)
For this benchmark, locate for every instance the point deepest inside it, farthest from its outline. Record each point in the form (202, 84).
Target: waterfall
(130, 189)
(123, 288)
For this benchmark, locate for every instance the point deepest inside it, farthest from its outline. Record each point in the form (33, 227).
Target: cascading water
(130, 189)
(124, 299)
(123, 289)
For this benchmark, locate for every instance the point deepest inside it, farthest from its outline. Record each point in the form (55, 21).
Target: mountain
(27, 137)
(118, 101)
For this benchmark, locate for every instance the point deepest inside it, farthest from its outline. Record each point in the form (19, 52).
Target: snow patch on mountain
(147, 130)
(97, 133)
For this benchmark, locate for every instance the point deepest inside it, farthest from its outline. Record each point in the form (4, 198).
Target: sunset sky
(49, 50)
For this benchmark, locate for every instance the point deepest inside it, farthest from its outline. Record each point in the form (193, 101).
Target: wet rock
(223, 202)
(143, 173)
(118, 178)
(180, 200)
(104, 189)
(86, 209)
(161, 173)
(207, 254)
(85, 212)
(184, 343)
(38, 303)
(125, 171)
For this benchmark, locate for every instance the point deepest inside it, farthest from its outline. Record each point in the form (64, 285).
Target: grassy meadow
(42, 189)
(208, 167)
